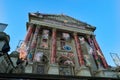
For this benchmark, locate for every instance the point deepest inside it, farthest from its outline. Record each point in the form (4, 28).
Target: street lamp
(4, 39)
(2, 27)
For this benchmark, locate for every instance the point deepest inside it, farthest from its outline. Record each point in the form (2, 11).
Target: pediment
(64, 19)
(59, 17)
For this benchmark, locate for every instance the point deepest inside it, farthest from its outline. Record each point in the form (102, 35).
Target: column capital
(30, 24)
(38, 25)
(74, 33)
(88, 36)
(93, 36)
(54, 29)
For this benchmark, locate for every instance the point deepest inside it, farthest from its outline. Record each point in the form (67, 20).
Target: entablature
(62, 27)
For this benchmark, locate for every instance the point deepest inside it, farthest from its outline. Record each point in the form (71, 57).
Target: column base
(53, 69)
(105, 73)
(83, 71)
(28, 68)
(118, 73)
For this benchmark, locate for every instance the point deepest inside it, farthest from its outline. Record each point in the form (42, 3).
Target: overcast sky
(103, 14)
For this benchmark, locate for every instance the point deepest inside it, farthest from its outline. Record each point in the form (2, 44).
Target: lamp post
(3, 26)
(4, 39)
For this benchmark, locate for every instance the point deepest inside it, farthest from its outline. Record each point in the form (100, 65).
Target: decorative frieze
(63, 27)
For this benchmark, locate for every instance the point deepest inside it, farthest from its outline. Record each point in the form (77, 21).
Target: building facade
(61, 45)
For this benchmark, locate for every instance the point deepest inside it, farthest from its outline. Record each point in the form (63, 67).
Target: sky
(103, 14)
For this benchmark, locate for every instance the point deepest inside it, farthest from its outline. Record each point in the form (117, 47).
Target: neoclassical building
(61, 45)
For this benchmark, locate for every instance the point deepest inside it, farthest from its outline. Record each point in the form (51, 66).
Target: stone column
(34, 40)
(94, 50)
(78, 49)
(100, 52)
(53, 44)
(82, 70)
(29, 31)
(53, 68)
(101, 72)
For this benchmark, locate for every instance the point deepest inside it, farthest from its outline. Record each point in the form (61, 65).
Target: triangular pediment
(64, 19)
(59, 17)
